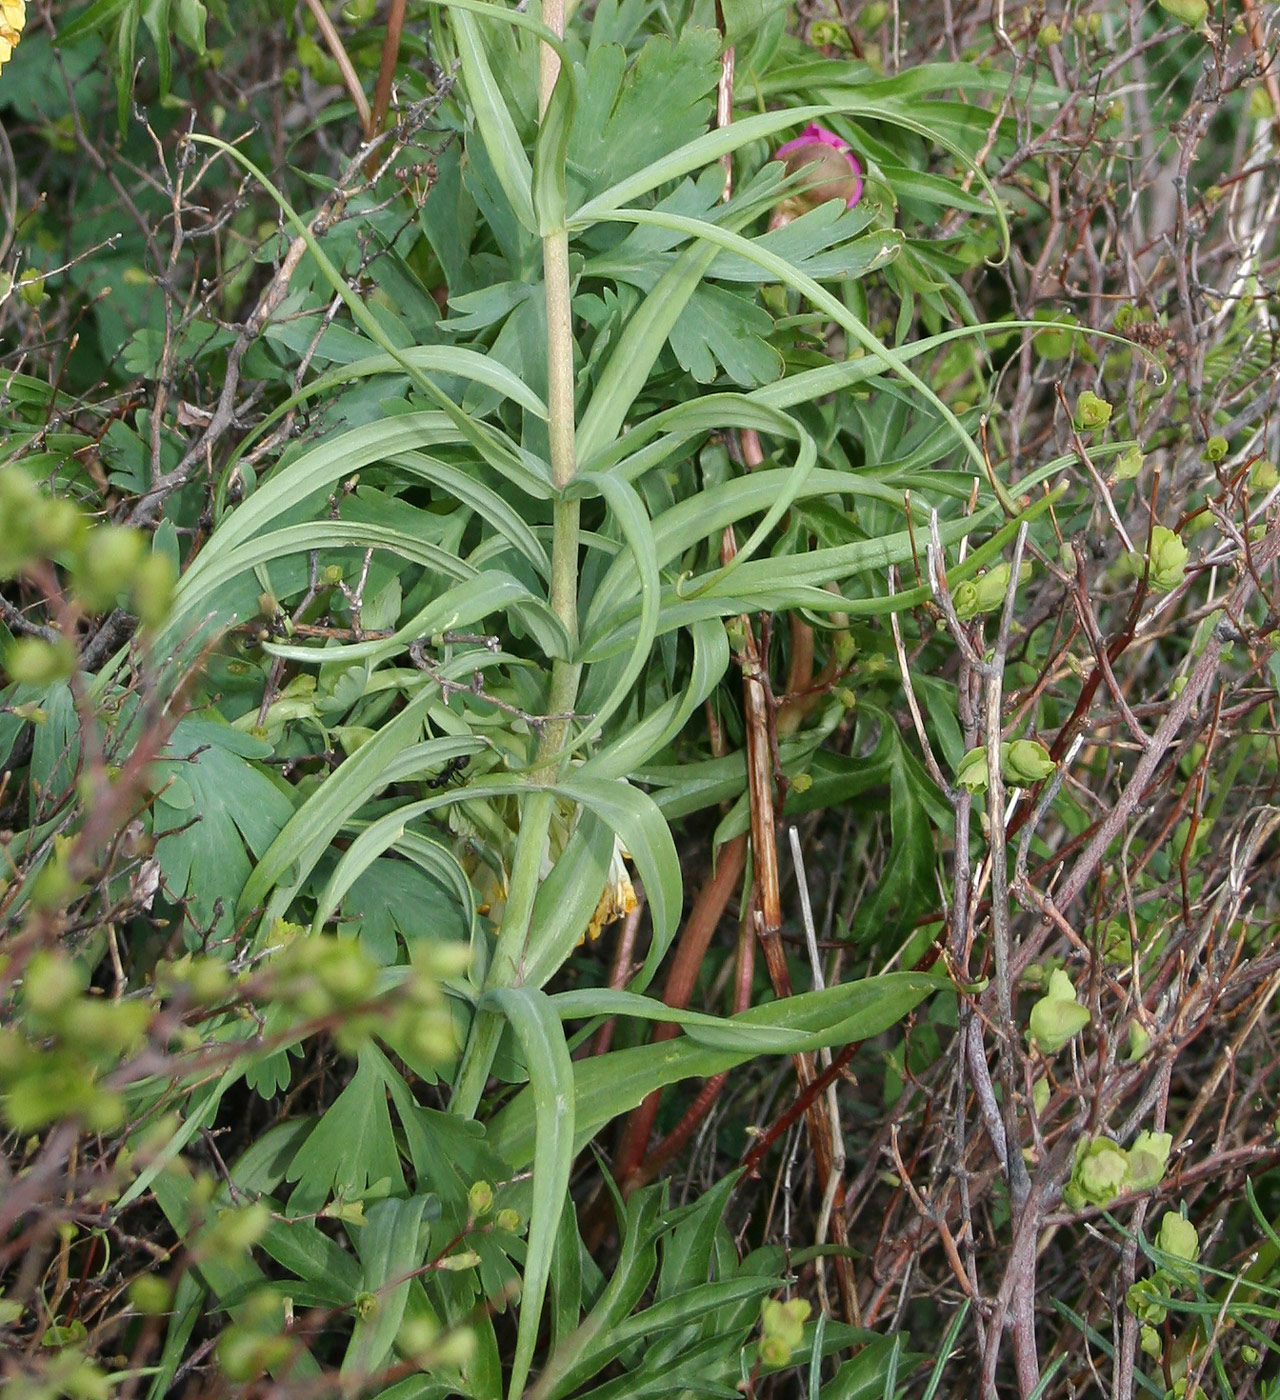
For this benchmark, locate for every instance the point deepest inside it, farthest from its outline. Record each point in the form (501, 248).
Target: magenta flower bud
(830, 168)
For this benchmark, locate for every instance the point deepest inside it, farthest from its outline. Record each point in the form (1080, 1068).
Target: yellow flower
(13, 19)
(618, 898)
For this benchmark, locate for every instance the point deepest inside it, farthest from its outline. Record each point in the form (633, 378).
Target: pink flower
(835, 172)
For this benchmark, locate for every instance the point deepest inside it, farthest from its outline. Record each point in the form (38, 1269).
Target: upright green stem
(539, 807)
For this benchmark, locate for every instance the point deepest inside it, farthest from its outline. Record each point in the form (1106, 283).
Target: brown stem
(337, 51)
(620, 972)
(744, 970)
(691, 949)
(386, 70)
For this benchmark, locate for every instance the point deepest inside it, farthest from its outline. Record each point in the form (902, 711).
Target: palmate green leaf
(688, 1250)
(818, 296)
(827, 242)
(797, 580)
(424, 896)
(212, 804)
(232, 1279)
(389, 1252)
(551, 1088)
(550, 151)
(97, 16)
(155, 15)
(315, 472)
(692, 156)
(872, 1373)
(606, 1086)
(661, 435)
(351, 1148)
(478, 596)
(760, 586)
(631, 115)
(641, 342)
(256, 1172)
(304, 838)
(307, 1252)
(725, 327)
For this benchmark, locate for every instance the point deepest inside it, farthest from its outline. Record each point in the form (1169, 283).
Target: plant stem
(539, 807)
(386, 69)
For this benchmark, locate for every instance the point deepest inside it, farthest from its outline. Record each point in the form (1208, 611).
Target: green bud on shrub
(1249, 1355)
(1100, 1174)
(1092, 412)
(106, 564)
(774, 1352)
(1168, 561)
(235, 1231)
(50, 982)
(972, 771)
(203, 981)
(1259, 107)
(349, 1212)
(105, 1027)
(57, 1086)
(1263, 476)
(1216, 449)
(1139, 1041)
(480, 1199)
(417, 1335)
(1049, 35)
(1148, 1158)
(1177, 1236)
(150, 1295)
(1129, 464)
(782, 1328)
(1057, 1017)
(1040, 1093)
(456, 1263)
(56, 885)
(1192, 13)
(1024, 761)
(987, 592)
(33, 661)
(31, 290)
(455, 1349)
(509, 1221)
(245, 1353)
(1149, 1341)
(1056, 340)
(1143, 1300)
(1117, 944)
